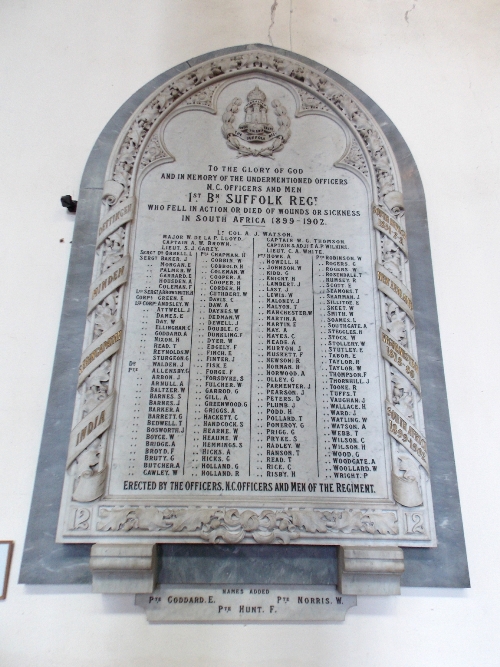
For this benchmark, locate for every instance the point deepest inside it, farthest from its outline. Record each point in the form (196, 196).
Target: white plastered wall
(433, 66)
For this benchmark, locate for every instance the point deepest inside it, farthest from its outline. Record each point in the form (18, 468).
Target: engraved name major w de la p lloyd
(250, 369)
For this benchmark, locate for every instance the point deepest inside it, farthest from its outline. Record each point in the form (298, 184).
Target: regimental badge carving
(355, 159)
(255, 129)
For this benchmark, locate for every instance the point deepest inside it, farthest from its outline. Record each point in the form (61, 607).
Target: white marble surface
(246, 604)
(248, 377)
(123, 568)
(249, 306)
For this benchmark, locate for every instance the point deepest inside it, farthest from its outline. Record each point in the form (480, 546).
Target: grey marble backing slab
(44, 562)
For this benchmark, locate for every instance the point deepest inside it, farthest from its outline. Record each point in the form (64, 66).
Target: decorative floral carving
(356, 159)
(402, 395)
(113, 249)
(396, 322)
(153, 152)
(309, 102)
(391, 256)
(106, 314)
(96, 387)
(364, 521)
(231, 526)
(203, 98)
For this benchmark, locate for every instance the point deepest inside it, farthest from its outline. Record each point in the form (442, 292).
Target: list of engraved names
(250, 362)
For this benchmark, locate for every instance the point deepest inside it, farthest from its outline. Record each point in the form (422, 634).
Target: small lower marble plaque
(245, 604)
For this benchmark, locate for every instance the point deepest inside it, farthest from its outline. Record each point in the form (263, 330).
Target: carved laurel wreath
(229, 132)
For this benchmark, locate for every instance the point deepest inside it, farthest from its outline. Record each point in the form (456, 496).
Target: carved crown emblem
(256, 129)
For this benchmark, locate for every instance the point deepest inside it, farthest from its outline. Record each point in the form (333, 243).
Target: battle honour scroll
(250, 371)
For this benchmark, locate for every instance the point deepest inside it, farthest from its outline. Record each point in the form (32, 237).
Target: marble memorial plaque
(246, 604)
(250, 371)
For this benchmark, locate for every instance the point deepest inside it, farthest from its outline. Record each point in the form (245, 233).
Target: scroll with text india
(250, 371)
